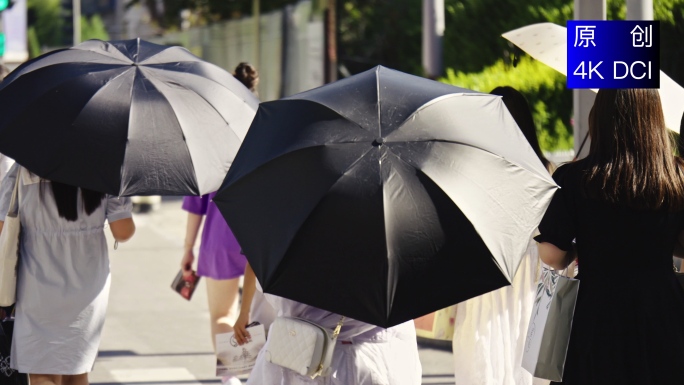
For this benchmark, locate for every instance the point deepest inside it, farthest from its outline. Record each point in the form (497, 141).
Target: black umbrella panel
(384, 196)
(125, 118)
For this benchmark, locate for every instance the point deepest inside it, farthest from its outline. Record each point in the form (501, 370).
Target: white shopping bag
(233, 359)
(548, 334)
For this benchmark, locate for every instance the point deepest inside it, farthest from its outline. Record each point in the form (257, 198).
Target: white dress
(63, 280)
(490, 330)
(364, 354)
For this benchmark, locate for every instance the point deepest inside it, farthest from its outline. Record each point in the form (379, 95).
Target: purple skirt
(219, 254)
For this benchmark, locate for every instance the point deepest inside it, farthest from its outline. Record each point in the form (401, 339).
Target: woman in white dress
(490, 330)
(63, 275)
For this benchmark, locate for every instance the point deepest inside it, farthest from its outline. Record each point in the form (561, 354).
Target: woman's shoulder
(570, 173)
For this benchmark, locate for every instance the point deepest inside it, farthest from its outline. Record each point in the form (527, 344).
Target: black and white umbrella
(125, 118)
(384, 196)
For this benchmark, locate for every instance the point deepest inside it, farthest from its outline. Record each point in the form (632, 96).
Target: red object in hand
(185, 285)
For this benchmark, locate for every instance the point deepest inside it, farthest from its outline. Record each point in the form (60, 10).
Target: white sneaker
(230, 381)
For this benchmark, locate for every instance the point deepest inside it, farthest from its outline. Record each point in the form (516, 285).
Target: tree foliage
(93, 28)
(168, 16)
(386, 32)
(45, 16)
(46, 27)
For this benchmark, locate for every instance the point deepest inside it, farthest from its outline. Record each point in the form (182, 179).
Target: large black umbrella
(125, 118)
(384, 196)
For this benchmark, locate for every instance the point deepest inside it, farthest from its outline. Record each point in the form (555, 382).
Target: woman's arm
(191, 231)
(553, 256)
(123, 229)
(248, 288)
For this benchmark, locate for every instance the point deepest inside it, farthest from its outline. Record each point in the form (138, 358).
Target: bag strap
(338, 328)
(333, 338)
(14, 204)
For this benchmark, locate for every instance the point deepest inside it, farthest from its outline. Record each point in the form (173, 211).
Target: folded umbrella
(125, 117)
(384, 196)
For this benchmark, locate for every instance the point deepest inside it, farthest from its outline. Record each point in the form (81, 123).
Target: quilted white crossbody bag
(301, 346)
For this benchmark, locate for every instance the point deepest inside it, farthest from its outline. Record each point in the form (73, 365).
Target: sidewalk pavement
(154, 337)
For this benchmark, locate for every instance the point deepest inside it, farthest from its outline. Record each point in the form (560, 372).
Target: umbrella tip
(378, 142)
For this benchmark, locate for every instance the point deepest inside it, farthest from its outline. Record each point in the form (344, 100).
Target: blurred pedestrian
(364, 354)
(247, 75)
(490, 330)
(624, 206)
(220, 259)
(63, 276)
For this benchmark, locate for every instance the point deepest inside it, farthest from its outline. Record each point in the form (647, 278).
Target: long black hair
(518, 107)
(631, 160)
(66, 200)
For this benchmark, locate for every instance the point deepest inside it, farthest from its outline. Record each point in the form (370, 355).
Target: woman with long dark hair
(623, 205)
(63, 276)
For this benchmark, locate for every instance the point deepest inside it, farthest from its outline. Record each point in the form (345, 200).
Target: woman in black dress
(624, 206)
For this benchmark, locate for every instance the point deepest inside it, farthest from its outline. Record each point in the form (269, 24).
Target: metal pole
(583, 100)
(256, 13)
(433, 32)
(118, 20)
(639, 9)
(331, 42)
(76, 14)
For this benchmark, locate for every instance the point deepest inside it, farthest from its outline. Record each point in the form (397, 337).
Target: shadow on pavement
(216, 381)
(130, 353)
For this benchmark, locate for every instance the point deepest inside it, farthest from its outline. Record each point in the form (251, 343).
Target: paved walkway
(152, 336)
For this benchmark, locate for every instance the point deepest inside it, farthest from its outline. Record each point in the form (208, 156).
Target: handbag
(8, 376)
(9, 249)
(548, 334)
(301, 345)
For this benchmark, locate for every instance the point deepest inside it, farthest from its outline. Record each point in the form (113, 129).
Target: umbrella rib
(156, 67)
(207, 101)
(289, 242)
(175, 48)
(96, 92)
(436, 100)
(377, 88)
(475, 147)
(180, 126)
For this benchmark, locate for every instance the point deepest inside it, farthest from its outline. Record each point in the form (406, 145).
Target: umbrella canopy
(125, 118)
(547, 42)
(384, 196)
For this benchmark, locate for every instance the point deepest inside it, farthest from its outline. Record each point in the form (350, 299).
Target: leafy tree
(386, 32)
(46, 23)
(205, 11)
(45, 17)
(93, 28)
